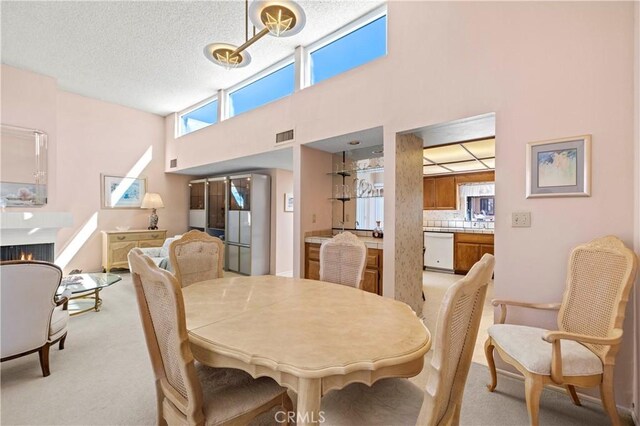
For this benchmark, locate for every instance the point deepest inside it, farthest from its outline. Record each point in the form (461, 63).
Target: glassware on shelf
(342, 192)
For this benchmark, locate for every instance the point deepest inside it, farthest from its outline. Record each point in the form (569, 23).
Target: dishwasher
(438, 254)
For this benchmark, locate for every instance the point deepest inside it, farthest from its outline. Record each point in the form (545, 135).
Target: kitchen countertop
(458, 230)
(370, 242)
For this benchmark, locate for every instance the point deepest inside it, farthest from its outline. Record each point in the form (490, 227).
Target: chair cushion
(525, 345)
(229, 393)
(59, 321)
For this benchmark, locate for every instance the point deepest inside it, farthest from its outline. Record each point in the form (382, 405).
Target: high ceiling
(149, 54)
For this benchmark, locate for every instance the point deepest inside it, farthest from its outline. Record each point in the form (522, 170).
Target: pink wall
(281, 258)
(548, 70)
(90, 137)
(311, 192)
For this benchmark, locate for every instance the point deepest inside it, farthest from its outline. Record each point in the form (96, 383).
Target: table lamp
(152, 201)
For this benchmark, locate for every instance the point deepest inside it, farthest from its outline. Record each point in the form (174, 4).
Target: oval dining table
(310, 336)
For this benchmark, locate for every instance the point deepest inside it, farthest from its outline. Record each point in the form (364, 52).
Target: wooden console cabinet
(469, 248)
(372, 274)
(117, 244)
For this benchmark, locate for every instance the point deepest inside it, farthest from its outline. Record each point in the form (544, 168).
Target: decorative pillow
(164, 252)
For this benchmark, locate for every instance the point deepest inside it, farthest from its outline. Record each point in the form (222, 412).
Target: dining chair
(196, 256)
(399, 401)
(190, 393)
(582, 352)
(343, 259)
(33, 319)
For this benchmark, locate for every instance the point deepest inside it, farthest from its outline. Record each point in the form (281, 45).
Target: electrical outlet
(313, 218)
(521, 219)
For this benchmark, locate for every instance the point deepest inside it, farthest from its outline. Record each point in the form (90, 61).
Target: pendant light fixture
(279, 18)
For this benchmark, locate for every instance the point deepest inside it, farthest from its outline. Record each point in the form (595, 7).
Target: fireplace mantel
(32, 227)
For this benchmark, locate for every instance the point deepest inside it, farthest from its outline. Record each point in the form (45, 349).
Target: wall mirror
(358, 186)
(23, 167)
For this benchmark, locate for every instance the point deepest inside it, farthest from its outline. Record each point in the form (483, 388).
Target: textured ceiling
(148, 54)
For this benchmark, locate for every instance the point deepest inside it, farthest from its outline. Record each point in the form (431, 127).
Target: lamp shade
(152, 200)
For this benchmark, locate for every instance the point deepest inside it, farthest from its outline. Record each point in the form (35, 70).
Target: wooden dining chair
(188, 393)
(398, 401)
(582, 352)
(343, 260)
(196, 256)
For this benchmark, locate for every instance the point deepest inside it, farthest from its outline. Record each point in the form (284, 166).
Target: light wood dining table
(310, 336)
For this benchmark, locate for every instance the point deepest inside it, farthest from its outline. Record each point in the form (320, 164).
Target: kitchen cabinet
(469, 248)
(429, 191)
(372, 281)
(440, 193)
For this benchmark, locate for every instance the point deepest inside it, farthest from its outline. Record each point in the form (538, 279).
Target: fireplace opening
(43, 252)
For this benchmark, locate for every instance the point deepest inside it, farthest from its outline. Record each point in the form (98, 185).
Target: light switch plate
(521, 219)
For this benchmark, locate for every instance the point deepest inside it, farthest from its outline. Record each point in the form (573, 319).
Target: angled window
(350, 50)
(198, 118)
(266, 87)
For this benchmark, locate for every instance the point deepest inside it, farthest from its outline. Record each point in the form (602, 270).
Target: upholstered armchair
(582, 352)
(343, 260)
(160, 255)
(189, 393)
(197, 256)
(32, 318)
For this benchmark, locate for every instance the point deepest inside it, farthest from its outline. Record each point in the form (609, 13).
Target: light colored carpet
(104, 377)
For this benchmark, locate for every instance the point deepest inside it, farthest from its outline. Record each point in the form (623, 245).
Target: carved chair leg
(488, 352)
(61, 345)
(44, 359)
(455, 420)
(607, 395)
(571, 390)
(533, 388)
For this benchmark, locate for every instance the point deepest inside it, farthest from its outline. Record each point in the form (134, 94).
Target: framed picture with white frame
(559, 167)
(122, 192)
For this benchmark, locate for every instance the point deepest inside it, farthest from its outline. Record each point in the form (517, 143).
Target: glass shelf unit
(351, 172)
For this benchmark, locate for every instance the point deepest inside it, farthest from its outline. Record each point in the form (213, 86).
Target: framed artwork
(559, 167)
(122, 192)
(288, 202)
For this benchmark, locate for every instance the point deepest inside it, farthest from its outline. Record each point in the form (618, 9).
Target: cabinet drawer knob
(154, 236)
(120, 237)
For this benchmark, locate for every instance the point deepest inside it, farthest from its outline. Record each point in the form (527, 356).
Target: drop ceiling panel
(447, 154)
(482, 149)
(490, 162)
(466, 166)
(434, 170)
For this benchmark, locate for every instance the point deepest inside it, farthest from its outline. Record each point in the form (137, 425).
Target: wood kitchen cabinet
(440, 193)
(469, 248)
(372, 275)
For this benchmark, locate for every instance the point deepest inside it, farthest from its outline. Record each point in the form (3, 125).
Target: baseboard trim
(562, 390)
(285, 274)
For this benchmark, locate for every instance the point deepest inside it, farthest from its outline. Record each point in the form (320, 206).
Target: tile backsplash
(451, 219)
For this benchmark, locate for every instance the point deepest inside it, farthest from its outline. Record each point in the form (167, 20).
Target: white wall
(547, 69)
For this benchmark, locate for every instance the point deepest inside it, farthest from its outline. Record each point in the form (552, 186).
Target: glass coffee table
(85, 286)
